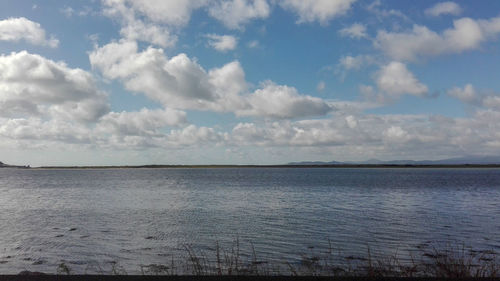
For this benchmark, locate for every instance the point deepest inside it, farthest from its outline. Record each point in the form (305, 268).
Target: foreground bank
(450, 261)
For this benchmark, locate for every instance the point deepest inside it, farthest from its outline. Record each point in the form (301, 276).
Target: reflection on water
(145, 216)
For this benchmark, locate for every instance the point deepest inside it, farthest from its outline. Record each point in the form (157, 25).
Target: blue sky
(247, 82)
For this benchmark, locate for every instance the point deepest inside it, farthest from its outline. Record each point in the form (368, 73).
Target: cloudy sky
(247, 81)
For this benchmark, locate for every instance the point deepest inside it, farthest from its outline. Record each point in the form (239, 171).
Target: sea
(97, 220)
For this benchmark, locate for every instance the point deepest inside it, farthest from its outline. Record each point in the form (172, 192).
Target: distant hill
(471, 160)
(312, 163)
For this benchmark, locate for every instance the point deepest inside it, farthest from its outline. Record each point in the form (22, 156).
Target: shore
(452, 261)
(271, 166)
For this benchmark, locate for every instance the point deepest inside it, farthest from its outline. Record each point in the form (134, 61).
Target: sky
(137, 82)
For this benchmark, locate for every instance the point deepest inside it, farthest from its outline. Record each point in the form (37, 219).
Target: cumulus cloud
(341, 130)
(466, 34)
(176, 13)
(139, 22)
(147, 32)
(469, 95)
(31, 85)
(180, 82)
(356, 31)
(145, 122)
(235, 13)
(177, 82)
(395, 79)
(366, 135)
(17, 29)
(158, 22)
(222, 43)
(193, 135)
(138, 138)
(355, 62)
(351, 63)
(444, 8)
(354, 134)
(283, 102)
(36, 131)
(317, 10)
(395, 134)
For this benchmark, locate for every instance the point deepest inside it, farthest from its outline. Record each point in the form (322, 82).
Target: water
(89, 218)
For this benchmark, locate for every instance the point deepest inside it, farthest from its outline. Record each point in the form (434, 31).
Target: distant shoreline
(273, 166)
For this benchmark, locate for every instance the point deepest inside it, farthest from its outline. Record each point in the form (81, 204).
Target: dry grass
(450, 261)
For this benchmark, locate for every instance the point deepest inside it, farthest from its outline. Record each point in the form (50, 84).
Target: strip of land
(274, 166)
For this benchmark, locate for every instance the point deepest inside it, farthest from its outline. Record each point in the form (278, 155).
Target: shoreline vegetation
(427, 261)
(297, 166)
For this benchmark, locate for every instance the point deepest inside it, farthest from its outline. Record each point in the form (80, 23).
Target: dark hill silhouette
(466, 160)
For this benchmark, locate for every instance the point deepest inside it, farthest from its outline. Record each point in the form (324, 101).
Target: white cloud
(145, 122)
(222, 43)
(17, 29)
(381, 13)
(492, 102)
(180, 82)
(367, 136)
(228, 83)
(395, 79)
(353, 133)
(177, 82)
(279, 101)
(350, 134)
(355, 63)
(158, 22)
(469, 95)
(349, 63)
(396, 134)
(85, 11)
(192, 135)
(36, 131)
(466, 34)
(235, 13)
(47, 103)
(312, 133)
(145, 29)
(128, 136)
(444, 8)
(317, 10)
(147, 32)
(31, 85)
(356, 31)
(176, 13)
(351, 121)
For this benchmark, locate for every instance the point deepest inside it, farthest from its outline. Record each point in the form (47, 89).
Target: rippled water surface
(87, 217)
